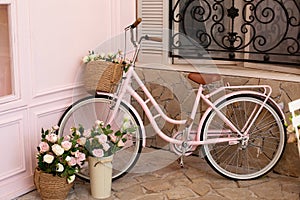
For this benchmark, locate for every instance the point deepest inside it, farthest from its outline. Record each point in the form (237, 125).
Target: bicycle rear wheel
(86, 111)
(259, 154)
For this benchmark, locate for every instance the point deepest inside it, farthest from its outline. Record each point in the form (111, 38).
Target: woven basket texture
(51, 187)
(102, 76)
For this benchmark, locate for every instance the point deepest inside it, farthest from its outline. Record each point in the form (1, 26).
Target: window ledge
(286, 73)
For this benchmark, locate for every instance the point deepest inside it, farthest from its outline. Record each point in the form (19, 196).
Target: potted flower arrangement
(101, 142)
(292, 138)
(59, 159)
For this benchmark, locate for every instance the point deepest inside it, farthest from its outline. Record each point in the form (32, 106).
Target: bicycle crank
(181, 149)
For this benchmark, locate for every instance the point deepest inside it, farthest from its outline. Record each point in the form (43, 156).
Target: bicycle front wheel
(250, 159)
(86, 111)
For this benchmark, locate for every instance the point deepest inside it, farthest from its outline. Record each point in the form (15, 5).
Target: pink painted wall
(49, 38)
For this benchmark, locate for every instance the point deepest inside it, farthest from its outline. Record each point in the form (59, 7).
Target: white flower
(81, 141)
(59, 167)
(71, 179)
(55, 127)
(86, 59)
(105, 146)
(51, 137)
(57, 149)
(48, 158)
(68, 158)
(102, 138)
(121, 143)
(99, 123)
(290, 128)
(126, 125)
(102, 56)
(87, 133)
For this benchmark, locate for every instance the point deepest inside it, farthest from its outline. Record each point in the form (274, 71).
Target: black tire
(265, 146)
(86, 111)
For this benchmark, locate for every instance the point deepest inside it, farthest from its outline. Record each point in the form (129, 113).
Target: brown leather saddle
(204, 79)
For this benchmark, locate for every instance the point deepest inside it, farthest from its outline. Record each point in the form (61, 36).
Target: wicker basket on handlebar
(102, 76)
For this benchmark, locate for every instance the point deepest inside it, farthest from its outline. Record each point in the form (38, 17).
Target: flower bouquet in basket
(291, 131)
(103, 72)
(101, 142)
(59, 159)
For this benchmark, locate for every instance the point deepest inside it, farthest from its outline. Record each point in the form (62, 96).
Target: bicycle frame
(127, 89)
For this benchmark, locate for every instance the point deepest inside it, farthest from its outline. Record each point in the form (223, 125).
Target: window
(5, 52)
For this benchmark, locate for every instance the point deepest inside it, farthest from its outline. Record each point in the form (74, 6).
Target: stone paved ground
(195, 181)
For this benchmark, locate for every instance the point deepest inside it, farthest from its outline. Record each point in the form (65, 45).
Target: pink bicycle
(242, 132)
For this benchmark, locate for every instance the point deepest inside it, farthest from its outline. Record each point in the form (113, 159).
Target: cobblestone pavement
(195, 181)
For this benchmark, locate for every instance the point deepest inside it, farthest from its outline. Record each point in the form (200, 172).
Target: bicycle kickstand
(183, 148)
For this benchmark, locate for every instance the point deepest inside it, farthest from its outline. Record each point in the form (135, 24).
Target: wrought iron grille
(241, 30)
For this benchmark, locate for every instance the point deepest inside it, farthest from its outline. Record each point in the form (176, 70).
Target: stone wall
(175, 94)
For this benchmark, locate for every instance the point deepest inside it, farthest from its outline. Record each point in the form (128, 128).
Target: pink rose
(51, 137)
(81, 141)
(102, 138)
(67, 138)
(81, 157)
(87, 133)
(44, 147)
(66, 145)
(72, 161)
(98, 153)
(76, 153)
(105, 146)
(121, 143)
(113, 138)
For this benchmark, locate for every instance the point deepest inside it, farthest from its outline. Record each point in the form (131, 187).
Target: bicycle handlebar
(134, 24)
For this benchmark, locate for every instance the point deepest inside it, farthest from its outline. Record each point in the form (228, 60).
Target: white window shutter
(154, 14)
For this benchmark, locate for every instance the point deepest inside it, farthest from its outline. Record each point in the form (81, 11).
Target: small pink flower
(44, 147)
(98, 153)
(81, 157)
(67, 138)
(66, 145)
(87, 133)
(81, 141)
(105, 146)
(121, 143)
(113, 138)
(52, 137)
(76, 153)
(102, 138)
(72, 161)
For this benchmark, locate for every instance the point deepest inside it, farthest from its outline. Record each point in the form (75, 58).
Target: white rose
(126, 125)
(86, 59)
(48, 158)
(59, 167)
(57, 149)
(55, 128)
(290, 128)
(99, 123)
(51, 137)
(68, 158)
(71, 179)
(81, 141)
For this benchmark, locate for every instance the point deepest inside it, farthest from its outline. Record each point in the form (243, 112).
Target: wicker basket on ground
(102, 76)
(51, 187)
